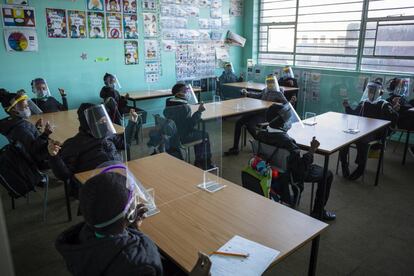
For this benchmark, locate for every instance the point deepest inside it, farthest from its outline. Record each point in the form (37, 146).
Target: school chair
(406, 143)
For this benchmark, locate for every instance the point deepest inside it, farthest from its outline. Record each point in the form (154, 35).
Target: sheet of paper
(260, 257)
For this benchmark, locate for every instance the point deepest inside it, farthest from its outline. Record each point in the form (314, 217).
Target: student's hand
(134, 115)
(396, 106)
(345, 103)
(141, 210)
(244, 92)
(202, 267)
(39, 124)
(314, 145)
(62, 92)
(293, 100)
(53, 147)
(201, 107)
(290, 83)
(48, 129)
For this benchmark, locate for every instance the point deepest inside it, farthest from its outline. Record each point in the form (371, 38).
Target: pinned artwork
(114, 25)
(130, 26)
(18, 16)
(95, 5)
(151, 49)
(21, 40)
(168, 45)
(112, 5)
(152, 77)
(17, 2)
(131, 52)
(96, 24)
(129, 6)
(150, 25)
(77, 24)
(56, 23)
(149, 5)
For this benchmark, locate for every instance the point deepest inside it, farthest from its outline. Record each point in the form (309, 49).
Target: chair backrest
(277, 157)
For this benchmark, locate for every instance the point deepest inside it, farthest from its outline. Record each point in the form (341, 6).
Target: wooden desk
(255, 86)
(65, 124)
(191, 220)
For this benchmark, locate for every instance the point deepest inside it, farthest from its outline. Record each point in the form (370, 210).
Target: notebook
(259, 259)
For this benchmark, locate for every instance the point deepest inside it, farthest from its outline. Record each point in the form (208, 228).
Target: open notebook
(259, 259)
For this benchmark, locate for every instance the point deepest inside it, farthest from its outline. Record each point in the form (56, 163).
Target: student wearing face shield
(398, 96)
(178, 109)
(228, 76)
(44, 99)
(109, 240)
(16, 128)
(272, 93)
(114, 102)
(372, 105)
(288, 78)
(95, 143)
(280, 118)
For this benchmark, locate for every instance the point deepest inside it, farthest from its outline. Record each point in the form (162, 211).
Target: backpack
(18, 173)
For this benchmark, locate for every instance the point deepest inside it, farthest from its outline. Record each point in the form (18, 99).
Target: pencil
(230, 254)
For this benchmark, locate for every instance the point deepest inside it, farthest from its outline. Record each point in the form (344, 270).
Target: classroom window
(327, 33)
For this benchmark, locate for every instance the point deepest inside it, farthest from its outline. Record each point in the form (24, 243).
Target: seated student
(288, 78)
(398, 89)
(17, 129)
(109, 241)
(302, 167)
(44, 99)
(178, 110)
(114, 102)
(228, 75)
(273, 93)
(95, 143)
(371, 106)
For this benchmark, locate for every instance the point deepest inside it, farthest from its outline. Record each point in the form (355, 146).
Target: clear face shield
(99, 122)
(288, 115)
(137, 194)
(112, 81)
(372, 93)
(287, 73)
(24, 107)
(190, 96)
(228, 68)
(40, 88)
(401, 88)
(272, 84)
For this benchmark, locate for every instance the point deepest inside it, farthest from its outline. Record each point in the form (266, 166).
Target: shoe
(356, 174)
(345, 171)
(232, 151)
(326, 215)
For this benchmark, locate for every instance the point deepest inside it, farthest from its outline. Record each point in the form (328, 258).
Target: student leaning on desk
(109, 241)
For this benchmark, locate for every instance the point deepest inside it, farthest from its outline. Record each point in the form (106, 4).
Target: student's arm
(63, 159)
(300, 164)
(33, 143)
(64, 106)
(255, 95)
(195, 118)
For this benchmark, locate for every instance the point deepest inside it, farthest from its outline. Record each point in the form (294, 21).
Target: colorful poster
(77, 24)
(149, 5)
(14, 16)
(113, 5)
(56, 23)
(151, 49)
(95, 5)
(21, 40)
(150, 24)
(130, 26)
(130, 6)
(96, 24)
(114, 25)
(131, 52)
(17, 2)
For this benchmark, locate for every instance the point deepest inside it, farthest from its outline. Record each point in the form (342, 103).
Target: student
(372, 106)
(302, 167)
(109, 241)
(178, 110)
(228, 75)
(288, 78)
(44, 99)
(115, 104)
(273, 93)
(17, 129)
(95, 143)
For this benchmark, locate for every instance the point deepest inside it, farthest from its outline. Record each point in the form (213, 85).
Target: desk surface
(65, 124)
(191, 220)
(256, 86)
(329, 131)
(152, 94)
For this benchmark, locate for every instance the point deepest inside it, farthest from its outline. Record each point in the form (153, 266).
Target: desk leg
(384, 136)
(325, 174)
(407, 141)
(203, 125)
(314, 256)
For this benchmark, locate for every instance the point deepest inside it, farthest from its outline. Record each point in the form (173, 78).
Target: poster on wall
(17, 2)
(150, 24)
(131, 52)
(149, 5)
(114, 25)
(96, 24)
(77, 24)
(152, 67)
(152, 77)
(130, 6)
(14, 16)
(168, 45)
(113, 5)
(236, 7)
(151, 49)
(95, 5)
(56, 23)
(21, 40)
(130, 26)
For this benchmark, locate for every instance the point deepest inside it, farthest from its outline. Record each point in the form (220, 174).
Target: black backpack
(18, 173)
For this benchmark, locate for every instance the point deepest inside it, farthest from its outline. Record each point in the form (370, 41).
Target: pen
(229, 254)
